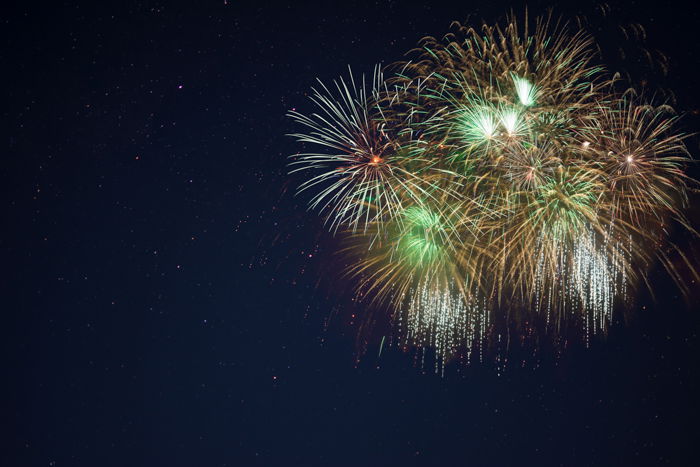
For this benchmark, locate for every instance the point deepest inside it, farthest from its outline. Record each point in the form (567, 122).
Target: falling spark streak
(440, 318)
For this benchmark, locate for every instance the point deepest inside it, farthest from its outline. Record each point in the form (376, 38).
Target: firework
(500, 170)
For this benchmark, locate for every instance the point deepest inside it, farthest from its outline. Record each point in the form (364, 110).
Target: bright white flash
(509, 120)
(486, 124)
(526, 91)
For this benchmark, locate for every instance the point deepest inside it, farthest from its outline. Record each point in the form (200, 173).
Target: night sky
(167, 299)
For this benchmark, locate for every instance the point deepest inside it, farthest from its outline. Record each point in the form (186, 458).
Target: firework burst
(499, 169)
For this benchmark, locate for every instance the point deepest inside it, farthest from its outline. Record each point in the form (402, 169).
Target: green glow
(526, 91)
(420, 238)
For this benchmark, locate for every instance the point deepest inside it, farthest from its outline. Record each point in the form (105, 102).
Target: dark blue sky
(164, 301)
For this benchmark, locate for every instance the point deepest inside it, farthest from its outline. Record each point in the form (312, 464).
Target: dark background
(160, 282)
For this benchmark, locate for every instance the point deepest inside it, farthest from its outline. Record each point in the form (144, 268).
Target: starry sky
(167, 299)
